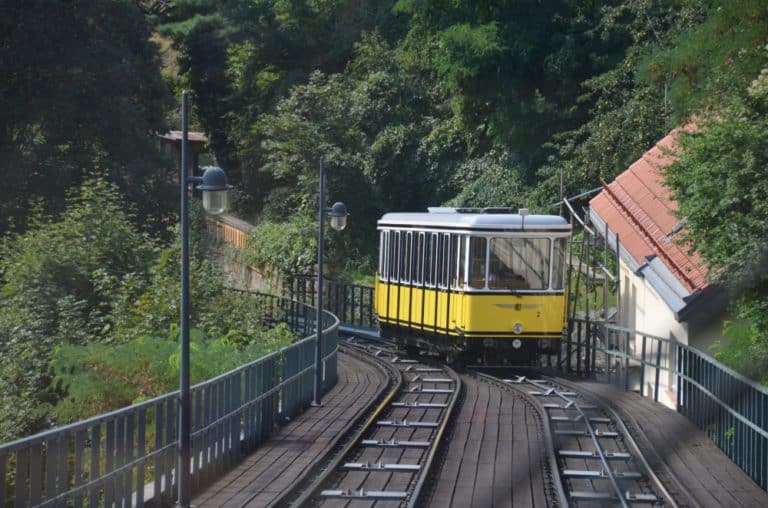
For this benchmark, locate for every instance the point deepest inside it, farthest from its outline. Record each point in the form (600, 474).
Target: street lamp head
(215, 190)
(338, 215)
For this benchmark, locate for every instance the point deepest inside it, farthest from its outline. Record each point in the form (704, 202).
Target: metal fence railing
(730, 408)
(352, 303)
(127, 457)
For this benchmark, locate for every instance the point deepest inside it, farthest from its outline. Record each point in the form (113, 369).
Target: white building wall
(643, 309)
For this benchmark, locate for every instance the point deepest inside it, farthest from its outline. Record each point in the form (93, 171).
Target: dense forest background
(410, 103)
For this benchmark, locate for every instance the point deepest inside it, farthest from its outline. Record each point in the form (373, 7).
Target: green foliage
(76, 292)
(705, 64)
(744, 351)
(288, 247)
(100, 378)
(56, 284)
(721, 184)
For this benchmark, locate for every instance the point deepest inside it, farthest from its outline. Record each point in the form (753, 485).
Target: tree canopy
(81, 89)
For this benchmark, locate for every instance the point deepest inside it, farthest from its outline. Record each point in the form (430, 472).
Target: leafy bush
(288, 247)
(57, 282)
(99, 377)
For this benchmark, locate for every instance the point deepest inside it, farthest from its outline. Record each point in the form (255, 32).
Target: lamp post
(213, 183)
(338, 220)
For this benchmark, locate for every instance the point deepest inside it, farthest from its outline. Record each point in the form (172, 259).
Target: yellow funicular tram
(475, 283)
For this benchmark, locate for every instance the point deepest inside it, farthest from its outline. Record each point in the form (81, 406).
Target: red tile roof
(638, 207)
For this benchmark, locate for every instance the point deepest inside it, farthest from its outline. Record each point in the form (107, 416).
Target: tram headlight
(517, 343)
(517, 328)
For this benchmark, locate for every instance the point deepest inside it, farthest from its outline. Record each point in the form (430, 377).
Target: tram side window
(439, 260)
(405, 274)
(394, 239)
(560, 249)
(418, 260)
(402, 260)
(519, 263)
(449, 266)
(429, 260)
(477, 262)
(461, 257)
(382, 255)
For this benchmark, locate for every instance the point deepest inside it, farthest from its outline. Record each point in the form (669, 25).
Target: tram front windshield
(518, 263)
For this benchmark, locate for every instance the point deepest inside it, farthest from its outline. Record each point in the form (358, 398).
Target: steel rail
(438, 439)
(330, 468)
(598, 447)
(632, 444)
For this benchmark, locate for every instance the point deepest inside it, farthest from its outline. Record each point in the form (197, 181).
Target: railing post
(626, 363)
(642, 368)
(658, 370)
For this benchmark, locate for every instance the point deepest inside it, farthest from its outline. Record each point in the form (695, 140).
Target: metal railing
(352, 303)
(127, 457)
(731, 409)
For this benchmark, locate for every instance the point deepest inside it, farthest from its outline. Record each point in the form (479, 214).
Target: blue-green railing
(127, 457)
(352, 303)
(730, 408)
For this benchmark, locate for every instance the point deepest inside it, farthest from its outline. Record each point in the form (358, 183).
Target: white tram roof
(493, 219)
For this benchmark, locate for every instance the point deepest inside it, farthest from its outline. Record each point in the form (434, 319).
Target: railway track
(598, 462)
(389, 459)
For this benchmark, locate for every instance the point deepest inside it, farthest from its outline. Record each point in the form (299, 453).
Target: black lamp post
(338, 220)
(213, 183)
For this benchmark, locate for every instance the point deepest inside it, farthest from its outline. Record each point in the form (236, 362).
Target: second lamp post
(338, 220)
